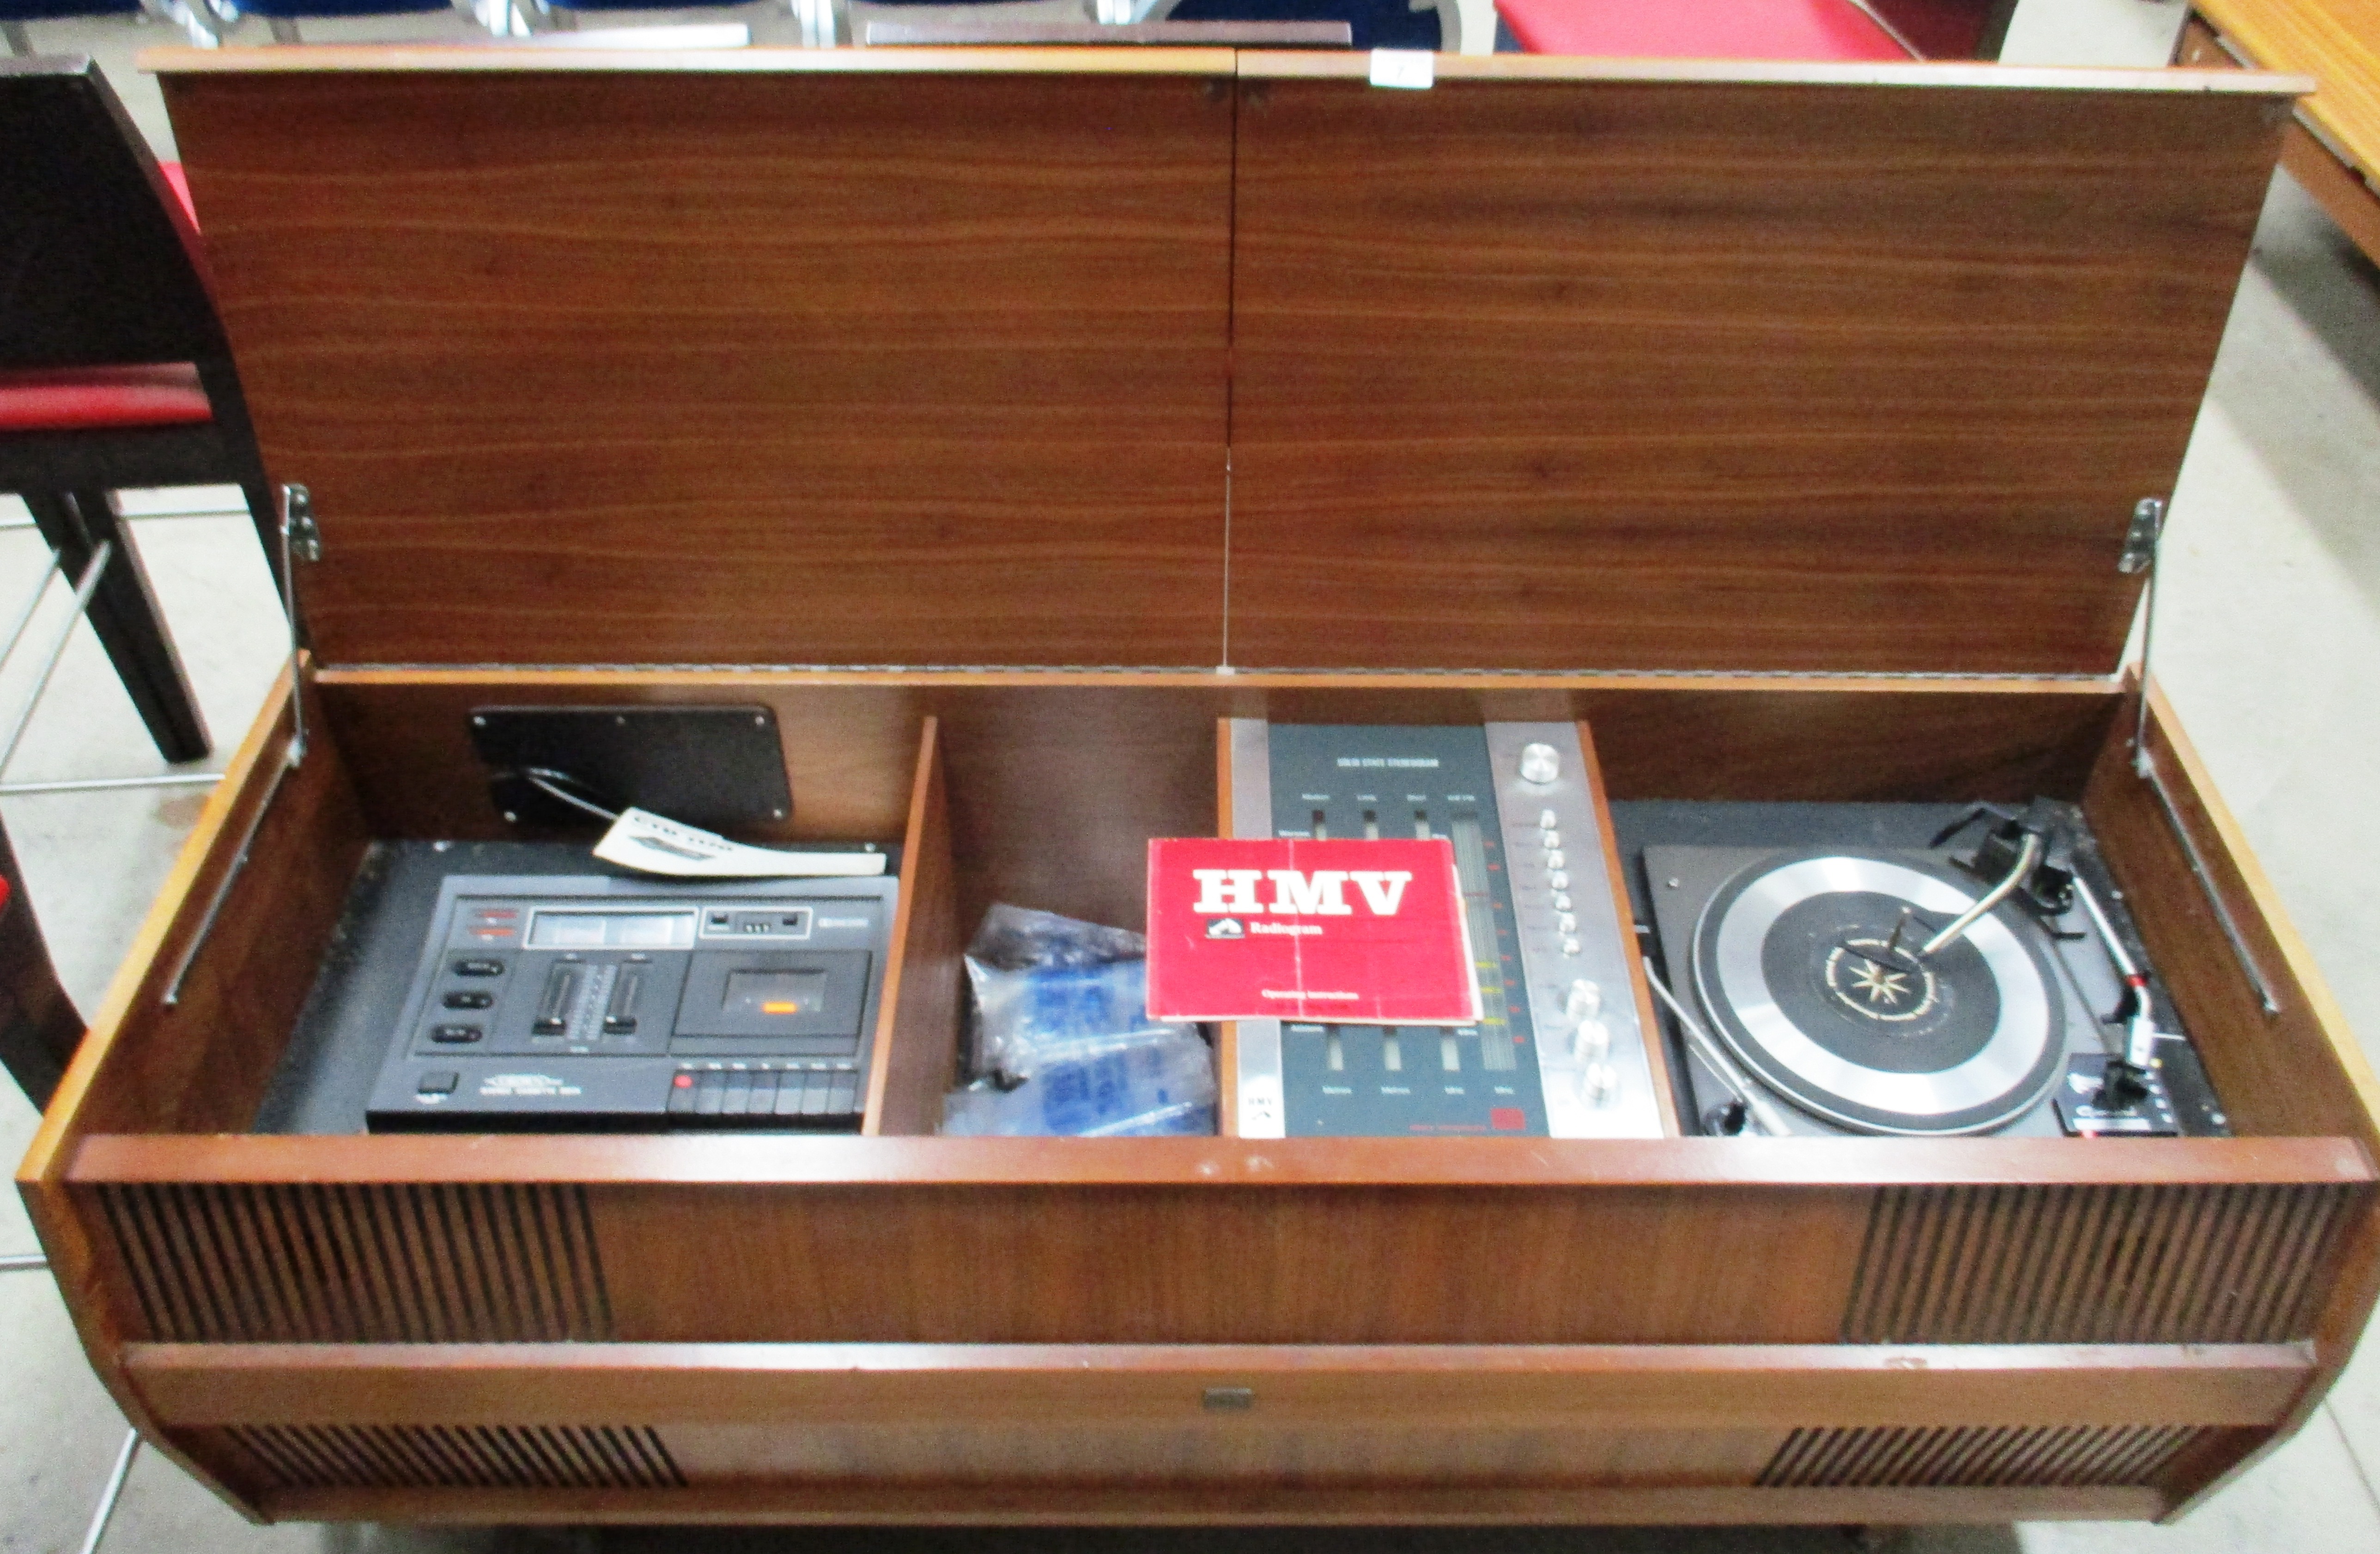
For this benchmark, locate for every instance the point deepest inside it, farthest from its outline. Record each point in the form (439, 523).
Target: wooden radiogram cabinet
(1002, 420)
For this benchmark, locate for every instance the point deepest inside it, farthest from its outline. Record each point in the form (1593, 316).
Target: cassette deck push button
(478, 965)
(438, 1082)
(469, 998)
(455, 1036)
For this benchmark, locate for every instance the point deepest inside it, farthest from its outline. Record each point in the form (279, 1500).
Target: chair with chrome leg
(115, 372)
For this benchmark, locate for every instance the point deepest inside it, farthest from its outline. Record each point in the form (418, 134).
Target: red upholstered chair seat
(94, 398)
(100, 398)
(1699, 29)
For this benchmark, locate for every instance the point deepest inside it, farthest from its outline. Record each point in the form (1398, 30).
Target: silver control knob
(1586, 1000)
(1548, 820)
(1539, 763)
(1599, 1083)
(1550, 839)
(1554, 858)
(1566, 921)
(1558, 880)
(1590, 1041)
(1570, 947)
(1561, 902)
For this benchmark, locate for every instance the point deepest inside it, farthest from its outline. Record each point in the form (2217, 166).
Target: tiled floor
(2268, 638)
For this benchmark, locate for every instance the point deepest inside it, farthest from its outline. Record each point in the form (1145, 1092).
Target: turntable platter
(1803, 961)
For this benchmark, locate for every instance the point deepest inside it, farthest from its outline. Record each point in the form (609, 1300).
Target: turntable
(1832, 985)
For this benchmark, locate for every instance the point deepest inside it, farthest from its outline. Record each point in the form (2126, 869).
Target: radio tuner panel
(570, 1003)
(1560, 1049)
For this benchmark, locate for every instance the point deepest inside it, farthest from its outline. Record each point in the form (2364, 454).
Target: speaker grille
(459, 1456)
(400, 1264)
(2017, 1457)
(2176, 1263)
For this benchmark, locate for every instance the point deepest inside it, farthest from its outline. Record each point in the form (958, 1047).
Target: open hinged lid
(942, 357)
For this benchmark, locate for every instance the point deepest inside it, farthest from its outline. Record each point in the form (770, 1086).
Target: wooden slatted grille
(460, 1456)
(1962, 1456)
(396, 1264)
(2128, 1264)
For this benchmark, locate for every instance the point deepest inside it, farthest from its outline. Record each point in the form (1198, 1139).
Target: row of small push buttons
(467, 998)
(1556, 864)
(795, 1090)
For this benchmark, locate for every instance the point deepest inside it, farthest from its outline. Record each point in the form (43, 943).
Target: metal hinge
(300, 540)
(2141, 539)
(304, 538)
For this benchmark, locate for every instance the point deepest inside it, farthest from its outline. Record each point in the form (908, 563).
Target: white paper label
(1412, 68)
(656, 844)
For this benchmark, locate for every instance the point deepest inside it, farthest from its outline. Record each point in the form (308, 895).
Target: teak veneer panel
(821, 368)
(1283, 1462)
(1057, 782)
(1092, 1503)
(917, 1042)
(1674, 1387)
(1202, 1263)
(200, 1064)
(2293, 1070)
(1693, 374)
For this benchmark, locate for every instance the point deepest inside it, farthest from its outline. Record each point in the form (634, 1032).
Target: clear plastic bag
(1063, 1042)
(1044, 983)
(1157, 1083)
(1012, 938)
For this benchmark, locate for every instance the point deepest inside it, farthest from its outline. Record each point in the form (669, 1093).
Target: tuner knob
(1570, 947)
(1558, 880)
(1566, 921)
(1599, 1083)
(1561, 902)
(1548, 819)
(1586, 1000)
(1590, 1041)
(1539, 763)
(1554, 858)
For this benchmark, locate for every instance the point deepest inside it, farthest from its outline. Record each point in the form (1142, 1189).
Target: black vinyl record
(1805, 964)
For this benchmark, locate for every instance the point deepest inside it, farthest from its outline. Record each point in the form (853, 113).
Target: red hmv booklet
(1351, 932)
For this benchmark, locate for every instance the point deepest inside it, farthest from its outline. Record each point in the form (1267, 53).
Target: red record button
(1507, 1119)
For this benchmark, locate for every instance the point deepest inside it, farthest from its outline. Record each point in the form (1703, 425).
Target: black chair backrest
(99, 263)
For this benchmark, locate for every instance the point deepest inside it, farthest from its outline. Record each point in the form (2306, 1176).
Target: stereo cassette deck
(598, 1001)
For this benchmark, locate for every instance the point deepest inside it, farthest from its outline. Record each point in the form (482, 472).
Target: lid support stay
(2141, 544)
(300, 540)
